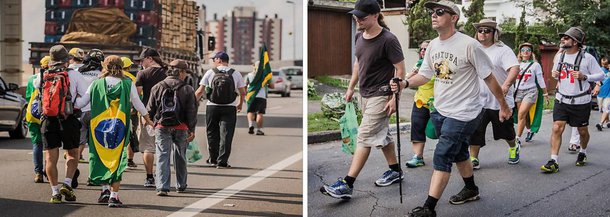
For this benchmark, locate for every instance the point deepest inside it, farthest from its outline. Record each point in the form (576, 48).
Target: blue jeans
(37, 148)
(166, 141)
(454, 136)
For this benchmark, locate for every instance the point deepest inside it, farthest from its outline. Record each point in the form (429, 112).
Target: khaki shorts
(528, 95)
(147, 142)
(374, 130)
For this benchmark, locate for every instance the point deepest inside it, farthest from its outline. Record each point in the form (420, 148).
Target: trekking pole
(396, 96)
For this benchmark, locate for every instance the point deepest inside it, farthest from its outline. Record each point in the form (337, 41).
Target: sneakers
(422, 212)
(550, 167)
(38, 178)
(223, 166)
(339, 190)
(599, 127)
(513, 153)
(250, 130)
(389, 177)
(415, 162)
(114, 202)
(475, 163)
(131, 164)
(55, 198)
(608, 125)
(180, 190)
(464, 196)
(573, 147)
(529, 136)
(581, 160)
(149, 182)
(82, 160)
(210, 163)
(67, 192)
(74, 183)
(162, 193)
(104, 197)
(260, 133)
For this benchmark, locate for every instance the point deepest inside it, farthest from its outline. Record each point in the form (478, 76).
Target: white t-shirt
(75, 66)
(502, 58)
(527, 79)
(237, 78)
(458, 63)
(89, 77)
(110, 83)
(78, 85)
(262, 93)
(570, 86)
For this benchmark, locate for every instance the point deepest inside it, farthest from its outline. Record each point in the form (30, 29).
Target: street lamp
(294, 27)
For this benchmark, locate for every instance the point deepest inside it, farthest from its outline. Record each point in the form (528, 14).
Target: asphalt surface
(506, 190)
(256, 185)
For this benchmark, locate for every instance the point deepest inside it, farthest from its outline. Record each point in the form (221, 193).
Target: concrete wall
(10, 41)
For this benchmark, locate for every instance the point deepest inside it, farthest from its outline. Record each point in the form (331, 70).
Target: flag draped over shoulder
(109, 131)
(535, 113)
(263, 75)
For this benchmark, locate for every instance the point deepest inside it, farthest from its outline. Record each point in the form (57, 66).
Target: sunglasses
(485, 30)
(360, 19)
(526, 49)
(422, 49)
(565, 37)
(439, 12)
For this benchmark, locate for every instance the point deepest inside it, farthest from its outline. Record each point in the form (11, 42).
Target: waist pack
(170, 105)
(222, 87)
(56, 99)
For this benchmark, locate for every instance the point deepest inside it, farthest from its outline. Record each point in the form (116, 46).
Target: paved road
(266, 178)
(506, 190)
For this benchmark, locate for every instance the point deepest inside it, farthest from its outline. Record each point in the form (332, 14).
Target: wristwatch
(585, 77)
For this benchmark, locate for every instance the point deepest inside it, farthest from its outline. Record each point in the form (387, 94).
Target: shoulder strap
(521, 75)
(230, 72)
(215, 70)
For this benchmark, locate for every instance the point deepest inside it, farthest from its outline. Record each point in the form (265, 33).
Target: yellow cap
(45, 61)
(126, 62)
(77, 53)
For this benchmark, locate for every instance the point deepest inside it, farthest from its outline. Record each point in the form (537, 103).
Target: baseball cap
(222, 55)
(44, 62)
(365, 7)
(147, 52)
(59, 55)
(444, 4)
(180, 64)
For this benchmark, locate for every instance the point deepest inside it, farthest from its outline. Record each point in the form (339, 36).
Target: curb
(327, 136)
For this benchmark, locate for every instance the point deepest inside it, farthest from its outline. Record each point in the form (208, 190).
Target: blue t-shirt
(604, 90)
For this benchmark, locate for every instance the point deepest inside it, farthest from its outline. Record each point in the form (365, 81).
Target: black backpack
(170, 105)
(223, 87)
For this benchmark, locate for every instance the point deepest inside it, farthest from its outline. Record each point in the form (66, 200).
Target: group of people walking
(80, 100)
(465, 83)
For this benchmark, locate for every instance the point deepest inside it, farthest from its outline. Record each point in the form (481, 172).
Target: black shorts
(574, 115)
(56, 132)
(258, 106)
(419, 121)
(501, 130)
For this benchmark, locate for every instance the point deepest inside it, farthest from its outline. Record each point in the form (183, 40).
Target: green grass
(317, 122)
(332, 81)
(316, 98)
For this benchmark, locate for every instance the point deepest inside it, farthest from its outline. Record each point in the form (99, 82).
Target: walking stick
(396, 96)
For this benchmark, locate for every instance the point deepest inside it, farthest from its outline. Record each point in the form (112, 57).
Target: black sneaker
(599, 127)
(581, 160)
(260, 133)
(115, 202)
(529, 137)
(75, 179)
(131, 164)
(250, 130)
(422, 212)
(464, 196)
(209, 163)
(550, 167)
(223, 166)
(149, 182)
(104, 197)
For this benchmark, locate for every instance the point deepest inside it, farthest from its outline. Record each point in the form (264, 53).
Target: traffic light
(211, 43)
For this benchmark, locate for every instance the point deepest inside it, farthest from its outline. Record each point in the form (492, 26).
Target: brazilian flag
(535, 113)
(263, 75)
(109, 131)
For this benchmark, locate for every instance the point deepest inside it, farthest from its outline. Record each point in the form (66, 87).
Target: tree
(536, 49)
(520, 34)
(474, 13)
(420, 25)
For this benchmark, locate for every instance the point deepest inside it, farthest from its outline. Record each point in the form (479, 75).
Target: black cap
(365, 7)
(147, 52)
(222, 55)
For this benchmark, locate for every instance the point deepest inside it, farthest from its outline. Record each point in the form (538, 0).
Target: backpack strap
(215, 70)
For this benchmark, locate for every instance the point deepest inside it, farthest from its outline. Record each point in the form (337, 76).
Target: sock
(583, 150)
(68, 181)
(395, 167)
(114, 194)
(149, 176)
(105, 187)
(469, 181)
(430, 203)
(554, 157)
(55, 189)
(251, 123)
(260, 128)
(350, 181)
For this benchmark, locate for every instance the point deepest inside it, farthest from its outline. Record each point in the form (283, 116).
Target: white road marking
(219, 196)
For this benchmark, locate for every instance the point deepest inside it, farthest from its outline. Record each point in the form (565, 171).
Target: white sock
(55, 189)
(105, 187)
(251, 123)
(554, 157)
(261, 129)
(582, 150)
(114, 194)
(68, 181)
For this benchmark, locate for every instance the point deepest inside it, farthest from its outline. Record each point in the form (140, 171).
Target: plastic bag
(192, 152)
(349, 128)
(430, 130)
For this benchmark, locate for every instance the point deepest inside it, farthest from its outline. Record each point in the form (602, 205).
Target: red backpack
(55, 91)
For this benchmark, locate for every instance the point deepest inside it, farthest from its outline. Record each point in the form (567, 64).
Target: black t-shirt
(147, 78)
(376, 59)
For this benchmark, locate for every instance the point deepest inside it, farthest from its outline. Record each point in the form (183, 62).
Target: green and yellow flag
(263, 75)
(535, 113)
(109, 131)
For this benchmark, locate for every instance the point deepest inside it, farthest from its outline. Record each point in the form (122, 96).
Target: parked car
(295, 74)
(282, 83)
(12, 111)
